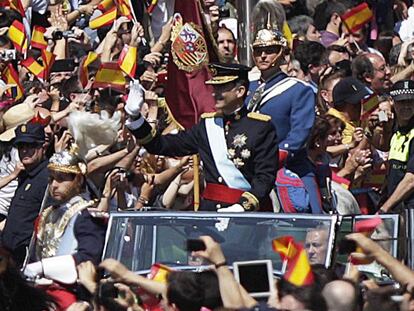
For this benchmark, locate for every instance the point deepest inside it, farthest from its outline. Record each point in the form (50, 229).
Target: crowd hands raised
(351, 149)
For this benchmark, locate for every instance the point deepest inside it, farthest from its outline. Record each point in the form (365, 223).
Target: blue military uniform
(291, 104)
(26, 203)
(239, 151)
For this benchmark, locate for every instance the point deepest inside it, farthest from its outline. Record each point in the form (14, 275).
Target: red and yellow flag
(366, 227)
(106, 5)
(357, 17)
(128, 60)
(83, 68)
(17, 6)
(18, 36)
(159, 273)
(110, 76)
(38, 38)
(124, 8)
(34, 67)
(284, 246)
(152, 6)
(369, 105)
(10, 76)
(104, 20)
(48, 59)
(299, 271)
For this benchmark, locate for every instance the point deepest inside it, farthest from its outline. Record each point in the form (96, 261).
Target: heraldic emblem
(189, 48)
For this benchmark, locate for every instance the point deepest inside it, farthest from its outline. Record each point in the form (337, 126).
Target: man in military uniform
(291, 105)
(32, 183)
(238, 149)
(66, 233)
(401, 155)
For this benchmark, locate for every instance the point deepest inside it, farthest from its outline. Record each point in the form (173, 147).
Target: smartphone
(193, 245)
(255, 276)
(13, 91)
(346, 247)
(382, 116)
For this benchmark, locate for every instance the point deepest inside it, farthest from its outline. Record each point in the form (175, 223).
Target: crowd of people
(321, 123)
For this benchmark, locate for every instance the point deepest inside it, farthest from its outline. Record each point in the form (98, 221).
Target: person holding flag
(238, 149)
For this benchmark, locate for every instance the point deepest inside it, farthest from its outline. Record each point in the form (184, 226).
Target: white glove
(135, 98)
(235, 208)
(33, 269)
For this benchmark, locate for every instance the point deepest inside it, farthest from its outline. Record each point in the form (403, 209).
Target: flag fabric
(287, 33)
(110, 75)
(128, 60)
(48, 59)
(18, 36)
(83, 68)
(366, 227)
(159, 273)
(151, 6)
(357, 17)
(104, 20)
(34, 67)
(17, 6)
(299, 271)
(106, 5)
(369, 105)
(124, 9)
(187, 95)
(38, 38)
(284, 246)
(10, 76)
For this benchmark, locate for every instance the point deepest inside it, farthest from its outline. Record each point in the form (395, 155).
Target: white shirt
(7, 192)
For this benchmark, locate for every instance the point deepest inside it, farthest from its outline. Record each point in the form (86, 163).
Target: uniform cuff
(249, 201)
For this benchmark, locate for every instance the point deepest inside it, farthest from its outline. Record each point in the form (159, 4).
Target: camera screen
(254, 277)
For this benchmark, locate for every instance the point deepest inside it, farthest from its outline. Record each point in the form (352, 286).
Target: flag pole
(196, 173)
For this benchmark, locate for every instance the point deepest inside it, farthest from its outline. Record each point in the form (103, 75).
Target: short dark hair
(71, 85)
(319, 130)
(326, 9)
(309, 53)
(191, 290)
(310, 296)
(362, 66)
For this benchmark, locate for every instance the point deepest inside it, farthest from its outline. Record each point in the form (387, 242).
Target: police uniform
(401, 154)
(238, 151)
(291, 104)
(26, 203)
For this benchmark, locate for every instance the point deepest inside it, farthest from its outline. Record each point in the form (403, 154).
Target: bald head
(340, 296)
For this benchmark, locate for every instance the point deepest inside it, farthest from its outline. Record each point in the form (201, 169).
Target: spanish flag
(367, 227)
(17, 6)
(106, 5)
(38, 38)
(159, 273)
(299, 271)
(287, 33)
(357, 17)
(128, 60)
(104, 20)
(284, 247)
(18, 36)
(34, 67)
(124, 8)
(83, 68)
(110, 76)
(48, 58)
(10, 76)
(151, 6)
(369, 105)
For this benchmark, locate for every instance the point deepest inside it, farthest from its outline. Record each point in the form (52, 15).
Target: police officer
(291, 105)
(401, 155)
(32, 183)
(238, 148)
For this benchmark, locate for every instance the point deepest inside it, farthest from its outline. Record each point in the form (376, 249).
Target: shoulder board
(210, 115)
(259, 116)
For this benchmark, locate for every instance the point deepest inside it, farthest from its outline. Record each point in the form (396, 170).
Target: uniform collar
(236, 115)
(38, 168)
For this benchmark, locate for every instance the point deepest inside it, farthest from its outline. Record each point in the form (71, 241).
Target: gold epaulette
(211, 115)
(259, 116)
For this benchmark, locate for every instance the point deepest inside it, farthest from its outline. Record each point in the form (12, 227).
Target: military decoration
(189, 48)
(238, 153)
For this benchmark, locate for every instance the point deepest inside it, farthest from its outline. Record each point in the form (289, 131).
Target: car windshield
(140, 239)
